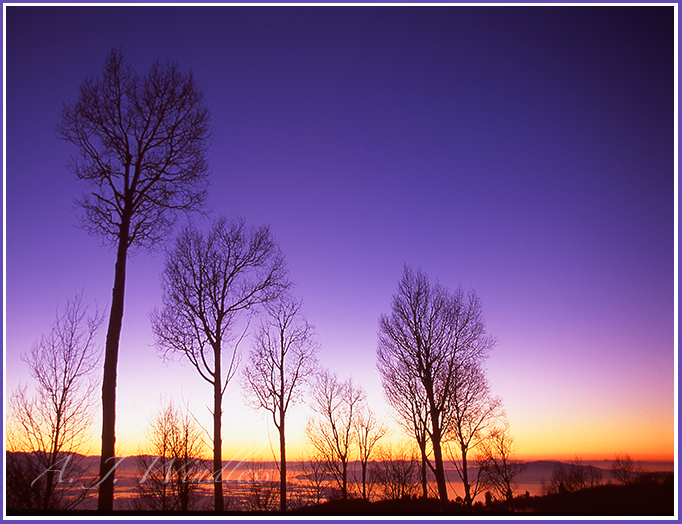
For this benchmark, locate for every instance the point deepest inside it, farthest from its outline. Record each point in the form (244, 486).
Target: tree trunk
(54, 454)
(217, 439)
(49, 482)
(282, 444)
(283, 468)
(105, 501)
(465, 478)
(364, 479)
(439, 470)
(425, 491)
(183, 482)
(345, 480)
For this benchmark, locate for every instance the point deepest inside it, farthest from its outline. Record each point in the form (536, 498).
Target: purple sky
(527, 153)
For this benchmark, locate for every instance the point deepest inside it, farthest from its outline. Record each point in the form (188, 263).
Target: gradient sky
(525, 152)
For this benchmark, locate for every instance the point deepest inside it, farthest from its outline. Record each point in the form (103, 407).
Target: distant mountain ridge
(531, 464)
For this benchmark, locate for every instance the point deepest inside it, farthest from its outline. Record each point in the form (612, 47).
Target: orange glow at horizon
(539, 432)
(645, 442)
(540, 444)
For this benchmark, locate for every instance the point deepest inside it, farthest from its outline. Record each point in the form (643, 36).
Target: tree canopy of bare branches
(208, 281)
(567, 478)
(624, 469)
(406, 395)
(332, 433)
(396, 472)
(142, 144)
(428, 337)
(369, 431)
(52, 426)
(498, 469)
(470, 420)
(280, 364)
(171, 466)
(314, 475)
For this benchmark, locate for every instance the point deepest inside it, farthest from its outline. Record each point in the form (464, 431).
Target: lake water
(237, 478)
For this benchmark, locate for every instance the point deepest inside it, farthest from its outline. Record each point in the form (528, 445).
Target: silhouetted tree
(497, 468)
(281, 362)
(332, 433)
(52, 426)
(471, 416)
(142, 144)
(585, 475)
(406, 395)
(368, 433)
(624, 469)
(171, 467)
(24, 480)
(262, 490)
(567, 478)
(430, 335)
(593, 476)
(208, 281)
(396, 472)
(315, 474)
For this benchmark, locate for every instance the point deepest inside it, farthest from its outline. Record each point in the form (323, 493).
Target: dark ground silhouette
(652, 496)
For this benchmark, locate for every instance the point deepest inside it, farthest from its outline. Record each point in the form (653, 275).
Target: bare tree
(497, 468)
(430, 334)
(142, 144)
(572, 477)
(584, 475)
(171, 467)
(208, 281)
(559, 481)
(24, 479)
(368, 433)
(470, 418)
(315, 474)
(262, 491)
(281, 362)
(624, 469)
(51, 427)
(406, 395)
(396, 472)
(332, 433)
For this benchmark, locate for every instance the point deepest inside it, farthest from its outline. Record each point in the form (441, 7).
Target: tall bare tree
(208, 282)
(171, 466)
(431, 333)
(281, 362)
(52, 426)
(332, 432)
(142, 144)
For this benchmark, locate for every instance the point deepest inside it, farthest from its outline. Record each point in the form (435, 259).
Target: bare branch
(51, 427)
(209, 282)
(425, 345)
(142, 144)
(332, 433)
